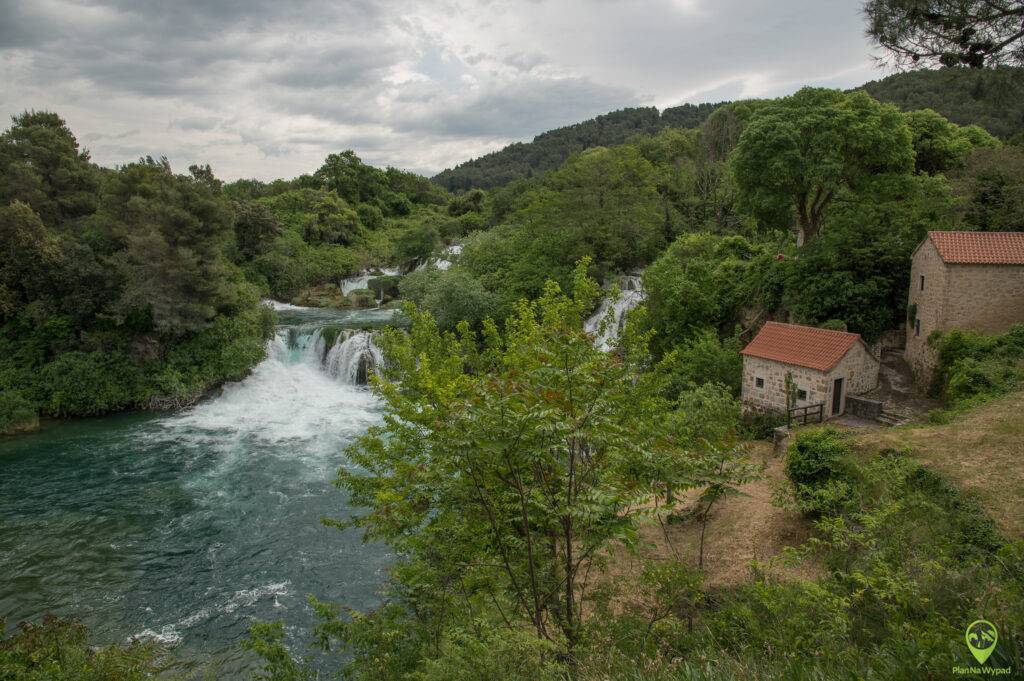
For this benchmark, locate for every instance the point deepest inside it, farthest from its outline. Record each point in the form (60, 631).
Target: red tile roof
(980, 248)
(805, 346)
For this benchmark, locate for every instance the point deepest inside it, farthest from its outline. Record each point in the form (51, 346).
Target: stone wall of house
(985, 298)
(929, 303)
(772, 397)
(858, 368)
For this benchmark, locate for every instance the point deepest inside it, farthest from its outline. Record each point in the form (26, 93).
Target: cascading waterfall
(362, 280)
(444, 262)
(351, 359)
(632, 295)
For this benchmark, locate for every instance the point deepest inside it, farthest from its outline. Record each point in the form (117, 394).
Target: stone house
(962, 280)
(824, 366)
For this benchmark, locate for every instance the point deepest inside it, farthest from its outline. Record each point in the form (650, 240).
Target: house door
(837, 396)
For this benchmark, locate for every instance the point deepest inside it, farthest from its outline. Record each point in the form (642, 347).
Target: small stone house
(962, 280)
(824, 366)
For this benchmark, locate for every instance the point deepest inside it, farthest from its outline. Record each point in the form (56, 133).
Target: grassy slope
(982, 451)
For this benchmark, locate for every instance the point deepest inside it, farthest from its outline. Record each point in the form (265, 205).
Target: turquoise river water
(186, 527)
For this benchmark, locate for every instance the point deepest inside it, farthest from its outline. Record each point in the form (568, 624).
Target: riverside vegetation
(515, 458)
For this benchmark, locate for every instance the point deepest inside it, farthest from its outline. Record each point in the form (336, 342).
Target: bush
(974, 367)
(58, 650)
(16, 412)
(814, 464)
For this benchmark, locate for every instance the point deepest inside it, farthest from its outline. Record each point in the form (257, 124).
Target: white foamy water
(607, 323)
(362, 280)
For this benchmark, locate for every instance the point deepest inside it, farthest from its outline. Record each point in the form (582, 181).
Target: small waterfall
(362, 280)
(632, 295)
(444, 262)
(353, 358)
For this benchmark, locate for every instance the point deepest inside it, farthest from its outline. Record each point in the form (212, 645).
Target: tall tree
(974, 33)
(41, 165)
(796, 155)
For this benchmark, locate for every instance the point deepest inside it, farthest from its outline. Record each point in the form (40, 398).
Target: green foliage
(116, 291)
(990, 187)
(451, 297)
(974, 367)
(940, 146)
(990, 98)
(797, 154)
(550, 150)
(857, 269)
(58, 650)
(266, 639)
(814, 466)
(700, 281)
(513, 465)
(705, 359)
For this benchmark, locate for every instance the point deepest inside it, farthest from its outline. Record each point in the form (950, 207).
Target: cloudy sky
(267, 88)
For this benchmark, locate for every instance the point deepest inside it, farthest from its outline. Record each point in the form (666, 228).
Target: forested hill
(549, 150)
(991, 98)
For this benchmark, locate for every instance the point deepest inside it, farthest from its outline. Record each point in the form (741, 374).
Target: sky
(268, 88)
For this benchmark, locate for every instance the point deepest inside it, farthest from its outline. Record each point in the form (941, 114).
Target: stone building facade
(824, 367)
(962, 280)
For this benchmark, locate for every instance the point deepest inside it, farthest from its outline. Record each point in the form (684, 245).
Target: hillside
(549, 150)
(991, 98)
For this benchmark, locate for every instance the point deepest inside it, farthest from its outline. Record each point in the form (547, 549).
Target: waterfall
(362, 280)
(632, 294)
(350, 360)
(353, 358)
(444, 261)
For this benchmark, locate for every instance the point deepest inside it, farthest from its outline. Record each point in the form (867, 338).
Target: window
(922, 282)
(917, 327)
(801, 394)
(759, 382)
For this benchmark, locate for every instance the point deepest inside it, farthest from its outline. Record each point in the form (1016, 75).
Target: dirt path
(741, 530)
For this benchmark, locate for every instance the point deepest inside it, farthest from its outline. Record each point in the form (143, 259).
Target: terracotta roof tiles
(805, 346)
(980, 248)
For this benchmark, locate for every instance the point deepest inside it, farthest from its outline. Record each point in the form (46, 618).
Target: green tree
(27, 251)
(941, 146)
(255, 228)
(502, 476)
(797, 154)
(974, 33)
(173, 262)
(990, 187)
(41, 165)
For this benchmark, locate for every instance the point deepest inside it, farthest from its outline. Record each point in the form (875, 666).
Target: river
(186, 527)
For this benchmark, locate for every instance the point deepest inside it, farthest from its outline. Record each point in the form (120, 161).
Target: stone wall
(858, 369)
(772, 397)
(930, 311)
(864, 408)
(985, 298)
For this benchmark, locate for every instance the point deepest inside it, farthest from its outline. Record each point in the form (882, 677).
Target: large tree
(502, 478)
(796, 155)
(974, 33)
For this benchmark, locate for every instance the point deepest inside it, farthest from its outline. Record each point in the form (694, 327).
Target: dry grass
(741, 530)
(982, 451)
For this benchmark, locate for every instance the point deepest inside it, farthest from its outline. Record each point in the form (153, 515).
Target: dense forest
(516, 458)
(989, 98)
(549, 150)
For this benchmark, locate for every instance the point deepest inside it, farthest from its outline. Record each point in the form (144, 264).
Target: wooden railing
(803, 415)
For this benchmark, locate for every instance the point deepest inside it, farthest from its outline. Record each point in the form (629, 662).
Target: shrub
(58, 650)
(974, 367)
(814, 464)
(16, 412)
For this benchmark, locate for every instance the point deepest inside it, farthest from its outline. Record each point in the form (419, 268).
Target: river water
(186, 527)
